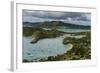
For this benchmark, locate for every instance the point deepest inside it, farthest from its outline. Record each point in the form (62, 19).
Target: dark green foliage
(28, 31)
(45, 34)
(53, 33)
(25, 60)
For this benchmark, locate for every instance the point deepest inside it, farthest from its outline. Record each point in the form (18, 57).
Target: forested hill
(55, 24)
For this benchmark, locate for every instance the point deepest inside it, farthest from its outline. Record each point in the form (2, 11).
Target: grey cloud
(57, 15)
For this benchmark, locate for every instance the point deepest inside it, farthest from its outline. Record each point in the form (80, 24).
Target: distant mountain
(51, 24)
(30, 24)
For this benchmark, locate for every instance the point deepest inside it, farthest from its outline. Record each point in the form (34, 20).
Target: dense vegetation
(45, 34)
(28, 31)
(55, 24)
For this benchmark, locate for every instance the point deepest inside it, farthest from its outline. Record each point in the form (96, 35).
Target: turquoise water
(69, 30)
(43, 48)
(47, 47)
(73, 30)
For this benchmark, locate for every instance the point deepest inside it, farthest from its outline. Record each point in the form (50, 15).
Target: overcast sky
(69, 17)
